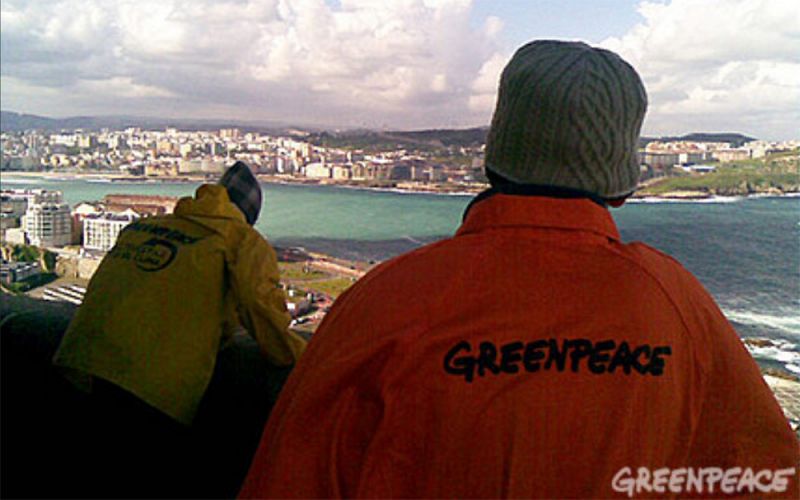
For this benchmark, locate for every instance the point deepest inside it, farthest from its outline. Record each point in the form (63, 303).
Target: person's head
(243, 190)
(568, 115)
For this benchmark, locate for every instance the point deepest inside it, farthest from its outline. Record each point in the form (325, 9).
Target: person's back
(533, 354)
(158, 306)
(144, 343)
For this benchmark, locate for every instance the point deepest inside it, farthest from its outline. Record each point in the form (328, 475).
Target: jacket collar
(496, 210)
(210, 200)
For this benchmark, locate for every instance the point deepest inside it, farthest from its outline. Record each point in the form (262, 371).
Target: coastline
(404, 187)
(339, 251)
(399, 187)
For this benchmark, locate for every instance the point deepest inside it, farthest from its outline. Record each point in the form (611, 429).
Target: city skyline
(708, 65)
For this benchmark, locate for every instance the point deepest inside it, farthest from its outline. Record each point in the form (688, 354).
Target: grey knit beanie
(568, 115)
(243, 189)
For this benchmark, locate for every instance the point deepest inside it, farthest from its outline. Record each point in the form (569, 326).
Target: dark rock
(51, 432)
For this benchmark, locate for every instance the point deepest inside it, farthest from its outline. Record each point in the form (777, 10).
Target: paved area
(37, 293)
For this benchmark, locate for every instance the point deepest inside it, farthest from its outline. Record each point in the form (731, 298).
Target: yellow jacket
(164, 297)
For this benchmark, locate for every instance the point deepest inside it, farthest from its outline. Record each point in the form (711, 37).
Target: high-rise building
(48, 224)
(229, 133)
(13, 206)
(729, 154)
(659, 160)
(79, 213)
(186, 166)
(117, 142)
(32, 196)
(87, 141)
(212, 166)
(318, 171)
(341, 172)
(100, 231)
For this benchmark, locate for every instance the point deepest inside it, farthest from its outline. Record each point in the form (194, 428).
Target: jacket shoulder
(388, 298)
(393, 272)
(666, 269)
(702, 316)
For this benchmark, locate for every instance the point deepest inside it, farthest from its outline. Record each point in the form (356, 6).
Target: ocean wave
(770, 195)
(777, 351)
(414, 240)
(36, 182)
(398, 190)
(710, 199)
(775, 354)
(23, 181)
(785, 323)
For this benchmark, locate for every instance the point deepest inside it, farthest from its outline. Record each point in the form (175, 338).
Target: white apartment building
(212, 166)
(12, 206)
(48, 224)
(318, 171)
(32, 196)
(100, 231)
(341, 172)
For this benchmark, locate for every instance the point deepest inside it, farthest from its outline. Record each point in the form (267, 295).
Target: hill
(734, 139)
(470, 137)
(11, 122)
(773, 174)
(424, 140)
(370, 140)
(17, 122)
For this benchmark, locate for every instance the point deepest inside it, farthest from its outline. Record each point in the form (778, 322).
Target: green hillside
(775, 173)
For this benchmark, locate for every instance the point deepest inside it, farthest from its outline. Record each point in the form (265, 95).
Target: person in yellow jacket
(144, 343)
(168, 293)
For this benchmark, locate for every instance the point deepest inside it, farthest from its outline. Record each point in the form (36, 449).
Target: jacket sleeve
(335, 391)
(261, 303)
(740, 422)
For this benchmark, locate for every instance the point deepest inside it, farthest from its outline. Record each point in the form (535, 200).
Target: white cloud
(484, 87)
(362, 62)
(121, 86)
(718, 65)
(731, 65)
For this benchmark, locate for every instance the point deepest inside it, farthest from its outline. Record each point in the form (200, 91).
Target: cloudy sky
(708, 65)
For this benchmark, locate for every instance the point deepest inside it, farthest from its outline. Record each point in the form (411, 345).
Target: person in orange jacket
(533, 354)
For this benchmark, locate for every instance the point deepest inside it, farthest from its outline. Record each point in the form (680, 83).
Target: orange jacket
(531, 355)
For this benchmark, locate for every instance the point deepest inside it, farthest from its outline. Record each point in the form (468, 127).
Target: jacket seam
(657, 280)
(598, 232)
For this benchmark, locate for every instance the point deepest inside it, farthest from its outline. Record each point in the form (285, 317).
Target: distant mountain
(438, 138)
(418, 139)
(12, 122)
(734, 139)
(447, 137)
(15, 122)
(357, 139)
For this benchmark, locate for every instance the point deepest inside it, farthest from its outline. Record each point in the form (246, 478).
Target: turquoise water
(296, 212)
(745, 251)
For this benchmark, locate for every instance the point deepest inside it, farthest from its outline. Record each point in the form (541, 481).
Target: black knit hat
(568, 115)
(243, 190)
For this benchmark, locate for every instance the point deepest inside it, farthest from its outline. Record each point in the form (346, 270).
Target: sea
(746, 251)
